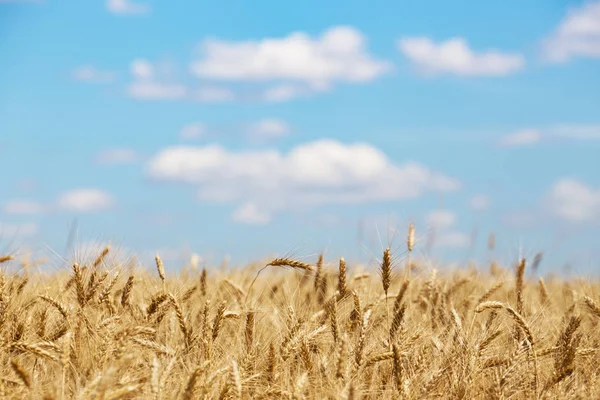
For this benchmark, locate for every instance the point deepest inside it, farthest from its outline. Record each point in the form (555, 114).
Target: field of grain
(309, 329)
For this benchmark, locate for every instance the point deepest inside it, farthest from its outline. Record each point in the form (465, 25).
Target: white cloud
(578, 34)
(250, 214)
(338, 55)
(574, 201)
(314, 173)
(86, 200)
(480, 202)
(116, 156)
(89, 73)
(268, 129)
(523, 137)
(441, 219)
(23, 206)
(454, 56)
(11, 230)
(126, 7)
(195, 130)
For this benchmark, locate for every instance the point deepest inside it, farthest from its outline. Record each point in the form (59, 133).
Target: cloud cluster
(454, 56)
(272, 69)
(311, 174)
(578, 34)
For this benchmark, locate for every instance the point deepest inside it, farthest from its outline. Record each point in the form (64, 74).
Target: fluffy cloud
(480, 202)
(116, 156)
(11, 230)
(577, 35)
(454, 57)
(250, 214)
(126, 7)
(338, 55)
(574, 201)
(89, 73)
(520, 138)
(315, 173)
(23, 206)
(268, 129)
(85, 200)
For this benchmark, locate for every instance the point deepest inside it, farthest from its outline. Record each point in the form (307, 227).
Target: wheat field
(294, 329)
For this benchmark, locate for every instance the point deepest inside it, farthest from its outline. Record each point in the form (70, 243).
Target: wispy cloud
(250, 214)
(24, 206)
(194, 130)
(89, 73)
(455, 57)
(564, 132)
(268, 129)
(480, 202)
(117, 155)
(85, 200)
(577, 35)
(524, 137)
(19, 230)
(124, 7)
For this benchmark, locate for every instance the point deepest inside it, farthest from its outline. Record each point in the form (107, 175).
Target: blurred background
(236, 130)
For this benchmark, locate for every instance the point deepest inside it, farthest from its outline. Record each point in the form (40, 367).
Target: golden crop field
(297, 330)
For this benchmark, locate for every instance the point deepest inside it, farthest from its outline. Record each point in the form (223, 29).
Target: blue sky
(253, 128)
